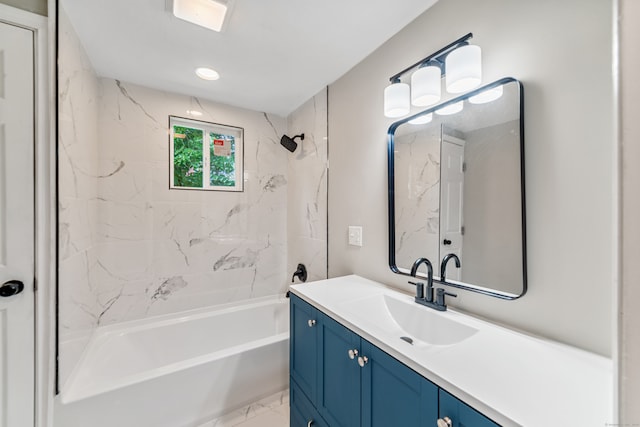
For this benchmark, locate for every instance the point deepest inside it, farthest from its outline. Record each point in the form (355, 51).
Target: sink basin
(415, 321)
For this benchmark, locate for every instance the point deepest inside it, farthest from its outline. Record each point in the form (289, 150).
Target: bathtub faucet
(300, 273)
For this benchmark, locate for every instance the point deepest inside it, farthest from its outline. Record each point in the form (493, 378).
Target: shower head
(290, 143)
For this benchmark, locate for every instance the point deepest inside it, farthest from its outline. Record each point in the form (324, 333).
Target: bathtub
(179, 370)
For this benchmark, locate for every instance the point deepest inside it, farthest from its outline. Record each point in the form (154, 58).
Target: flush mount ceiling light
(206, 73)
(206, 13)
(459, 62)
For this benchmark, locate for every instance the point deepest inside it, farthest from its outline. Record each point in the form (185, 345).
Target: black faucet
(426, 298)
(420, 295)
(443, 265)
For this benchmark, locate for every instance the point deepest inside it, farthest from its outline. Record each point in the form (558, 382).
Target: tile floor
(272, 411)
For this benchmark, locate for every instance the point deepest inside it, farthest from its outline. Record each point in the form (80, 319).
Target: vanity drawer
(461, 414)
(303, 414)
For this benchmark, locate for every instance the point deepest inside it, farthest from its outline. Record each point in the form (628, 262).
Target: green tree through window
(206, 155)
(187, 157)
(223, 171)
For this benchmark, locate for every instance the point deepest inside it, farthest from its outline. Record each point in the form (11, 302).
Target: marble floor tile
(272, 411)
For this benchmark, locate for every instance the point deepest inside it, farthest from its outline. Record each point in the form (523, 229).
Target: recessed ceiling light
(206, 13)
(207, 73)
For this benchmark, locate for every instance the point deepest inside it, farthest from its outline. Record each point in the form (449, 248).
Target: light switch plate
(355, 235)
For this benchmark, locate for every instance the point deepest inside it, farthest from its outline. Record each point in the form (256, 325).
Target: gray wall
(629, 349)
(560, 51)
(492, 210)
(36, 6)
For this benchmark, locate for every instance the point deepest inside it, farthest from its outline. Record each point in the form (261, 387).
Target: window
(205, 156)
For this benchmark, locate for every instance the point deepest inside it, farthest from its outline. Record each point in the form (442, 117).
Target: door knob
(446, 242)
(11, 288)
(444, 422)
(353, 353)
(311, 323)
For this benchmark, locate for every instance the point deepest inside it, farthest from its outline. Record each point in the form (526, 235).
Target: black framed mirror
(456, 185)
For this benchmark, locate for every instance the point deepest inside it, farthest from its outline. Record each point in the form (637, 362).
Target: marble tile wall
(307, 189)
(162, 250)
(77, 195)
(417, 193)
(131, 248)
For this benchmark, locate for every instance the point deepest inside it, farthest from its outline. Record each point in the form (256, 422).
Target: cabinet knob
(353, 353)
(311, 323)
(444, 422)
(363, 360)
(310, 423)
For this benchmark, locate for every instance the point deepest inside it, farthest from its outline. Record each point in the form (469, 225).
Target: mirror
(456, 185)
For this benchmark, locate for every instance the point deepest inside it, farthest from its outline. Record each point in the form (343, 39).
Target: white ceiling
(272, 56)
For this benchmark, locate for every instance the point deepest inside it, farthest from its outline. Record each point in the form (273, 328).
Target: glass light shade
(396, 100)
(451, 109)
(487, 96)
(425, 86)
(426, 118)
(463, 68)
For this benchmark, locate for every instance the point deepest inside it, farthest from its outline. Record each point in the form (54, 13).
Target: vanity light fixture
(205, 13)
(396, 99)
(487, 95)
(206, 73)
(421, 120)
(459, 62)
(425, 85)
(464, 69)
(450, 109)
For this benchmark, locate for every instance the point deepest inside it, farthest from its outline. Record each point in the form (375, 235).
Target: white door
(451, 201)
(16, 226)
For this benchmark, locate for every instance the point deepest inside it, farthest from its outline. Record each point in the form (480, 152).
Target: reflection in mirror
(456, 187)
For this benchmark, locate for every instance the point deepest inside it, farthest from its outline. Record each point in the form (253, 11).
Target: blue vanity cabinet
(393, 394)
(303, 413)
(339, 387)
(339, 379)
(303, 346)
(461, 414)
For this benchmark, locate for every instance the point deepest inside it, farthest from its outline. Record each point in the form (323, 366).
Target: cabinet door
(303, 347)
(393, 394)
(303, 414)
(461, 414)
(338, 399)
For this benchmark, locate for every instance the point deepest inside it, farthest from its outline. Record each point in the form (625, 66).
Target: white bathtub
(179, 371)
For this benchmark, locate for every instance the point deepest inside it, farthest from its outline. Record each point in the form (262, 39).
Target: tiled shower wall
(131, 248)
(307, 189)
(77, 195)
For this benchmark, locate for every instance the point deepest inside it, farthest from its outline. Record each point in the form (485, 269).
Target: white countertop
(513, 378)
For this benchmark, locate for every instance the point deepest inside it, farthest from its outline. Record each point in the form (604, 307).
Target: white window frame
(207, 128)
